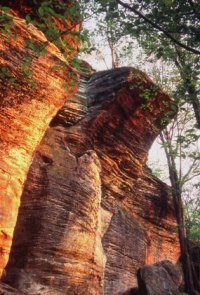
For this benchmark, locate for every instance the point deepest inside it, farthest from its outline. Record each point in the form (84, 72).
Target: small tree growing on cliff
(177, 147)
(180, 141)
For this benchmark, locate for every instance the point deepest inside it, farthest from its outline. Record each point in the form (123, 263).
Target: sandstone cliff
(91, 212)
(31, 92)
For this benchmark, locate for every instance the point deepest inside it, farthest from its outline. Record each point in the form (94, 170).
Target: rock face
(160, 278)
(91, 213)
(31, 92)
(7, 290)
(42, 12)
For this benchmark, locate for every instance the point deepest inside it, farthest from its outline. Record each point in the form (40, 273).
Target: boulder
(160, 278)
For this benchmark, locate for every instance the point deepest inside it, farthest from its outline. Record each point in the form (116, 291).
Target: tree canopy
(166, 29)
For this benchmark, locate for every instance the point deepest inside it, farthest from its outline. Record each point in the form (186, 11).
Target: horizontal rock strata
(31, 92)
(7, 290)
(92, 213)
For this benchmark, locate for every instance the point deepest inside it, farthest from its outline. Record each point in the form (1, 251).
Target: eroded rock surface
(8, 290)
(160, 278)
(92, 213)
(31, 92)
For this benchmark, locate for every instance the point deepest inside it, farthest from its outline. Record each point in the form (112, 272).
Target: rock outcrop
(160, 278)
(91, 213)
(32, 89)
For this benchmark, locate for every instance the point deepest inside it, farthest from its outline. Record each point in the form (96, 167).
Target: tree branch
(156, 26)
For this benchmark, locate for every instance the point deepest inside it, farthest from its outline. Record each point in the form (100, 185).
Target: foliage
(180, 141)
(58, 20)
(6, 20)
(177, 146)
(192, 216)
(152, 24)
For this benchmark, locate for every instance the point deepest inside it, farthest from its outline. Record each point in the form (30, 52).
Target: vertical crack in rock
(92, 213)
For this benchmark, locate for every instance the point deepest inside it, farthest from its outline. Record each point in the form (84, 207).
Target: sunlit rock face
(31, 92)
(38, 10)
(92, 213)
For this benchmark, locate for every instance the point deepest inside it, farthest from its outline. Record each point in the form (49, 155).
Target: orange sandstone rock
(92, 214)
(30, 95)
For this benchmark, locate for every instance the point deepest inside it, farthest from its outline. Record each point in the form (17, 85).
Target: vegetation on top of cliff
(152, 24)
(60, 21)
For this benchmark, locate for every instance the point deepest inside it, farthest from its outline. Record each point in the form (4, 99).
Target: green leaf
(28, 18)
(41, 11)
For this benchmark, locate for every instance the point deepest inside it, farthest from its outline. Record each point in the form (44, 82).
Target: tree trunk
(177, 198)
